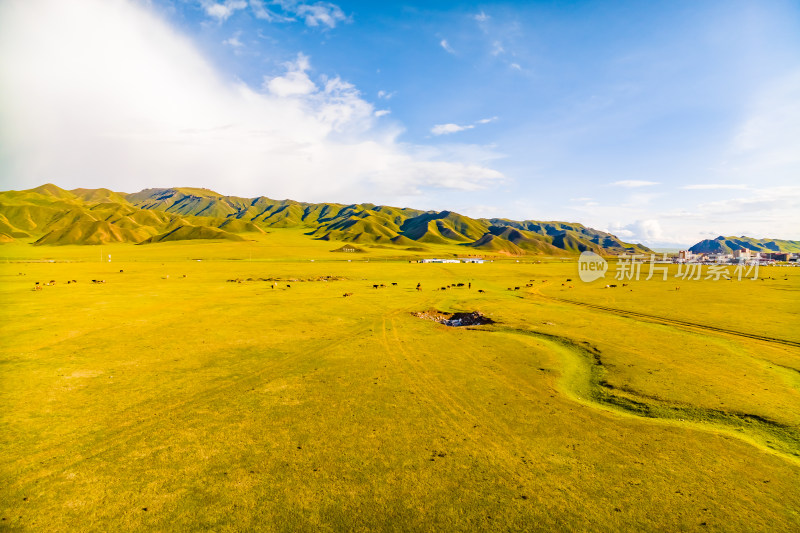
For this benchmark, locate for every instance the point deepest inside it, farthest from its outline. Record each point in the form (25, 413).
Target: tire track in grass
(465, 418)
(672, 321)
(120, 436)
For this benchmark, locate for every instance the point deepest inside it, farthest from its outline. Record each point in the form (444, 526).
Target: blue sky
(662, 122)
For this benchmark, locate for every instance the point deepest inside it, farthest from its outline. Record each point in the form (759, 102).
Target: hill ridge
(55, 216)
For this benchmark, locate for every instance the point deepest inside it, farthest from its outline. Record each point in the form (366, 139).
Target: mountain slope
(726, 245)
(53, 216)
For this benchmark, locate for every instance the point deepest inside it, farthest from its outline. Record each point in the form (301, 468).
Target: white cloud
(382, 112)
(314, 15)
(482, 17)
(386, 95)
(515, 66)
(221, 11)
(767, 140)
(647, 230)
(714, 186)
(234, 41)
(323, 13)
(295, 82)
(633, 183)
(261, 12)
(444, 44)
(147, 110)
(444, 129)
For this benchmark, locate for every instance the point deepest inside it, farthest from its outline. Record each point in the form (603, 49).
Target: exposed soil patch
(475, 318)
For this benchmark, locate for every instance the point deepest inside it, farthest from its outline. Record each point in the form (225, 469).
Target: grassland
(169, 398)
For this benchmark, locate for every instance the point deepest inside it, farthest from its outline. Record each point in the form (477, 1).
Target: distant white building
(473, 260)
(685, 255)
(742, 253)
(439, 261)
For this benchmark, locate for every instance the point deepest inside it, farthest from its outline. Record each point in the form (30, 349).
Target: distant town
(742, 255)
(738, 256)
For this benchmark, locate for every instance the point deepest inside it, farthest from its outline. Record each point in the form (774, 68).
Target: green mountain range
(726, 245)
(49, 215)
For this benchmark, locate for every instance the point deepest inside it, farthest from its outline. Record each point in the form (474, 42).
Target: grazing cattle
(481, 291)
(347, 294)
(375, 286)
(37, 287)
(394, 284)
(516, 288)
(624, 284)
(121, 271)
(469, 285)
(419, 287)
(288, 286)
(613, 286)
(569, 279)
(443, 289)
(677, 288)
(459, 284)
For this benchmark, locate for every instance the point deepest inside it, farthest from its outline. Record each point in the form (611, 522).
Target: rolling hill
(726, 245)
(49, 215)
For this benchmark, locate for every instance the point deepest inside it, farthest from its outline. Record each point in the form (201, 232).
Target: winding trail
(582, 380)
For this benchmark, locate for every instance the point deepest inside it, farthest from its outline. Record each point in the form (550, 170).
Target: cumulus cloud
(146, 110)
(221, 11)
(481, 17)
(633, 183)
(647, 230)
(295, 82)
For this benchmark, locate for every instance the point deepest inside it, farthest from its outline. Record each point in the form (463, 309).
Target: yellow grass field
(188, 393)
